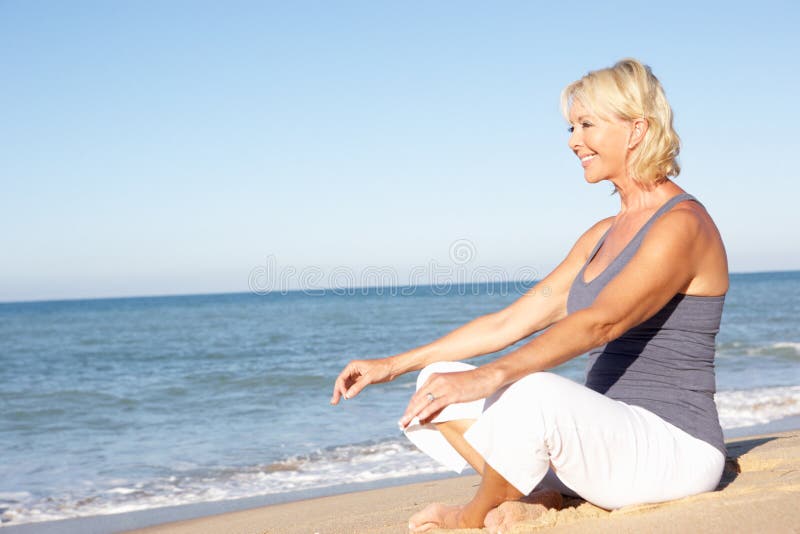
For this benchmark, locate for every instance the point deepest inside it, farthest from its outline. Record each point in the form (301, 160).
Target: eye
(571, 129)
(586, 124)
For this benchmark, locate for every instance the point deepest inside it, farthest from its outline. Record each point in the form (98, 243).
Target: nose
(575, 139)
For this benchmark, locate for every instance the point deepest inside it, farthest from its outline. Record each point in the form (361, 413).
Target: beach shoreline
(758, 493)
(381, 506)
(109, 429)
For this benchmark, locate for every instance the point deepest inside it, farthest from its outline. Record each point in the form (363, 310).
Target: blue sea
(117, 405)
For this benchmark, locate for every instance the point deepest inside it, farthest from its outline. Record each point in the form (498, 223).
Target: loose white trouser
(608, 452)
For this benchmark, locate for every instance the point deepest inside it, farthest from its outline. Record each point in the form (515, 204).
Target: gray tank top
(665, 364)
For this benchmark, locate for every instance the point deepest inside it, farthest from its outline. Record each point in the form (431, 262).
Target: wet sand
(760, 492)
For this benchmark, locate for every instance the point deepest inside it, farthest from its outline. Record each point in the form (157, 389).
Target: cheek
(622, 147)
(612, 145)
(595, 141)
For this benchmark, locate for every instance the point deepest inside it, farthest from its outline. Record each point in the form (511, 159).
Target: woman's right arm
(541, 306)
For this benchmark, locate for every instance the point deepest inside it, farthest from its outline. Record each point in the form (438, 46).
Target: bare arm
(665, 264)
(538, 308)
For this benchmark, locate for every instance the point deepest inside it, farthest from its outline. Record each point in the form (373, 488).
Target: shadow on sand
(735, 451)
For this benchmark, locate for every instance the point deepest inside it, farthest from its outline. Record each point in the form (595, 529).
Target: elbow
(601, 327)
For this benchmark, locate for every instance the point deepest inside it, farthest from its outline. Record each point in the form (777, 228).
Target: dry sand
(759, 493)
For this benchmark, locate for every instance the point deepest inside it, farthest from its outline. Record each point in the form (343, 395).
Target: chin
(592, 179)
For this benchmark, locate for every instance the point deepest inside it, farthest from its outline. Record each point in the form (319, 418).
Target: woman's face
(601, 145)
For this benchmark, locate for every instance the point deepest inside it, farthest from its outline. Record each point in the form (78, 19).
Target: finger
(425, 527)
(425, 419)
(339, 387)
(356, 388)
(429, 412)
(415, 404)
(336, 393)
(337, 390)
(420, 401)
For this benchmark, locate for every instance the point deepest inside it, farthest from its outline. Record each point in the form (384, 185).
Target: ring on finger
(430, 396)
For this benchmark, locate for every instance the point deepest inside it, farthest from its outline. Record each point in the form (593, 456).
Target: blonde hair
(630, 91)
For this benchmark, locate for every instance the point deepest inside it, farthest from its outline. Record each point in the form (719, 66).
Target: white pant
(608, 452)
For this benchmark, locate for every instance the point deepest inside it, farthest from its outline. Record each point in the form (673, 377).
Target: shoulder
(590, 237)
(686, 223)
(601, 226)
(685, 236)
(580, 251)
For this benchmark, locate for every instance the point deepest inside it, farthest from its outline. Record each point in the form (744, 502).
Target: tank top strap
(628, 252)
(633, 245)
(663, 209)
(598, 245)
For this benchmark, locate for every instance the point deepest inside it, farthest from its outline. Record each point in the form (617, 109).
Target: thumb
(356, 388)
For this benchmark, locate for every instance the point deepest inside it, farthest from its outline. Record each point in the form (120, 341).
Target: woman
(642, 292)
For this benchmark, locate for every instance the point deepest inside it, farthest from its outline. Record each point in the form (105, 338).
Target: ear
(639, 128)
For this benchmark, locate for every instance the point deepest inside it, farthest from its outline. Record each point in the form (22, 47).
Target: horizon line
(316, 290)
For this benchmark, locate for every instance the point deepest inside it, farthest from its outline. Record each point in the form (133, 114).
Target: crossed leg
(545, 423)
(493, 491)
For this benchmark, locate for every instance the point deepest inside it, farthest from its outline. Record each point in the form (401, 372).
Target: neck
(634, 197)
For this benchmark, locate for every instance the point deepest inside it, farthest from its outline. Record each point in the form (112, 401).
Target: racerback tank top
(666, 363)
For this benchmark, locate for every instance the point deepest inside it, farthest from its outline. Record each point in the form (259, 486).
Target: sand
(759, 493)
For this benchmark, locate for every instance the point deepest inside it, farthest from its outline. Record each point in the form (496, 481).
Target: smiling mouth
(590, 157)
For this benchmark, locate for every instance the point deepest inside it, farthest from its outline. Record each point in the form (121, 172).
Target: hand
(358, 374)
(447, 389)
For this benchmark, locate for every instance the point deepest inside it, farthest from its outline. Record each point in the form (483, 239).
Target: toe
(425, 527)
(493, 520)
(426, 519)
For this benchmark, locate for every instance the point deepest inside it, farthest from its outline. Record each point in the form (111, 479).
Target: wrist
(395, 369)
(495, 374)
(412, 360)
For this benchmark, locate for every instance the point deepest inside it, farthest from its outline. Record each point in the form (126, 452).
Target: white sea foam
(748, 407)
(789, 349)
(332, 467)
(366, 462)
(788, 345)
(785, 349)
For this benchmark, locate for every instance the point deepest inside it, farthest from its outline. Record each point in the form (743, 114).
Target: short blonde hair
(630, 91)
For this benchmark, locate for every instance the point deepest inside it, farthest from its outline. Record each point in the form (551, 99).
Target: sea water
(117, 405)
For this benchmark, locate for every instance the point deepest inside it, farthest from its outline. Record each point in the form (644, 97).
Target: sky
(156, 148)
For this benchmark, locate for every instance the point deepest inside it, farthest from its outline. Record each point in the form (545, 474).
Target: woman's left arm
(664, 265)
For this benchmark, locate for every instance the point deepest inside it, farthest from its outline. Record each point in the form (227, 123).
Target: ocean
(116, 405)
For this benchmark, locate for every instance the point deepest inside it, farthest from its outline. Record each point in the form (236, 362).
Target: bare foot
(526, 510)
(436, 515)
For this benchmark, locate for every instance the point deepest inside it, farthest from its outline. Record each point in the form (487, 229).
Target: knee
(546, 381)
(441, 367)
(540, 388)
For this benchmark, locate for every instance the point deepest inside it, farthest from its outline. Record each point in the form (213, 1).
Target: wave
(334, 466)
(790, 345)
(324, 468)
(740, 408)
(780, 349)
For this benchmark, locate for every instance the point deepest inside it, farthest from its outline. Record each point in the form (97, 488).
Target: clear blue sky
(152, 147)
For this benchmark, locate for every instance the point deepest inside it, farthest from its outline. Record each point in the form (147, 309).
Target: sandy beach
(760, 492)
